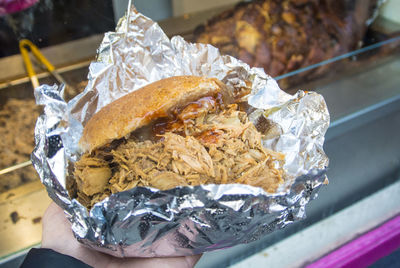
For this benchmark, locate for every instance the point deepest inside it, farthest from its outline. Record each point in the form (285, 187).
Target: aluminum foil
(147, 222)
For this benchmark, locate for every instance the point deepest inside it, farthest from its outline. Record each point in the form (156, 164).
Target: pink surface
(11, 6)
(366, 249)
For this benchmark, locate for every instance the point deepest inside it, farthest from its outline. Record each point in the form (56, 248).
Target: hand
(57, 235)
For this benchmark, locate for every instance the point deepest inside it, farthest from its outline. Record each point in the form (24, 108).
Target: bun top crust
(139, 108)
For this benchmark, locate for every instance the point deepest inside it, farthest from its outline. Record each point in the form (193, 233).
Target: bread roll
(139, 108)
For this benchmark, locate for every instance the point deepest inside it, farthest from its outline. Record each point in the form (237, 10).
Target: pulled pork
(201, 145)
(17, 123)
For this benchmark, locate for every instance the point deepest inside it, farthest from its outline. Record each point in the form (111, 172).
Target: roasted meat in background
(17, 124)
(282, 36)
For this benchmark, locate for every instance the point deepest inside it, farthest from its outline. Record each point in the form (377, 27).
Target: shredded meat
(215, 146)
(285, 35)
(17, 123)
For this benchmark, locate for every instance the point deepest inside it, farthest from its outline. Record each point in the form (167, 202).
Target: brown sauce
(209, 136)
(181, 115)
(174, 120)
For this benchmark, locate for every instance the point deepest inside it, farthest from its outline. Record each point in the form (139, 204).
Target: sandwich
(178, 131)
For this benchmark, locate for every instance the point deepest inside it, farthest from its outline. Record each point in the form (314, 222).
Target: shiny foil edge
(147, 222)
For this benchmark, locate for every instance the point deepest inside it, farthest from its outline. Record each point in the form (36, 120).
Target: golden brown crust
(144, 105)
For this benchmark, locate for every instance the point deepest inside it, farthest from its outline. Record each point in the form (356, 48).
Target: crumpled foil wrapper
(147, 222)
